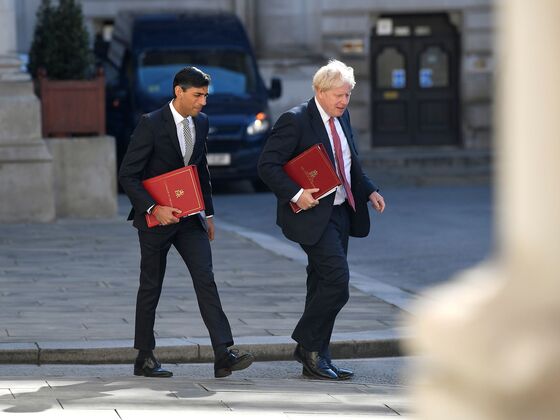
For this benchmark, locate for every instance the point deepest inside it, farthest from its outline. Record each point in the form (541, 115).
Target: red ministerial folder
(179, 188)
(313, 169)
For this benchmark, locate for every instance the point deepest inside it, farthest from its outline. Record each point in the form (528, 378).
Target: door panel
(391, 101)
(433, 71)
(434, 115)
(391, 117)
(391, 71)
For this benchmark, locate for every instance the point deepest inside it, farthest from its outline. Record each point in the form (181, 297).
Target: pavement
(67, 299)
(275, 389)
(180, 397)
(69, 288)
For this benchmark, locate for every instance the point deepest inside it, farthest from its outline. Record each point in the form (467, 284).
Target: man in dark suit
(323, 228)
(164, 140)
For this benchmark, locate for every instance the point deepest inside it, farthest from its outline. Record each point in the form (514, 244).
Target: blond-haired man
(323, 228)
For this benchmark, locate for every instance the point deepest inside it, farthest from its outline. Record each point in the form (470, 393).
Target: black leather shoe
(151, 368)
(316, 366)
(233, 360)
(342, 373)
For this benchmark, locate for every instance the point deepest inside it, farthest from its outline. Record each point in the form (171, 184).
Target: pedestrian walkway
(68, 294)
(129, 398)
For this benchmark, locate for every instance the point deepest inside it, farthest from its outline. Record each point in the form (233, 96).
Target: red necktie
(340, 163)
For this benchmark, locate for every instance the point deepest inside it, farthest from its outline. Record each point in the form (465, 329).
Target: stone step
(428, 166)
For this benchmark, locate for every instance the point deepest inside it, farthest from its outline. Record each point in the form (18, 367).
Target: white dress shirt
(178, 118)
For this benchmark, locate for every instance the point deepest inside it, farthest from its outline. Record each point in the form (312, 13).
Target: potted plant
(72, 96)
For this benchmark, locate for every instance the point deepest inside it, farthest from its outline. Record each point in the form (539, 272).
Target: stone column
(26, 177)
(492, 337)
(8, 25)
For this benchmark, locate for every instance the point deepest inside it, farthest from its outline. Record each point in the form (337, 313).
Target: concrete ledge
(182, 350)
(363, 349)
(24, 353)
(172, 350)
(96, 352)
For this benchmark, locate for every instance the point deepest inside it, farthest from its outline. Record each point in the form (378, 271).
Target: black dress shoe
(316, 366)
(151, 368)
(342, 373)
(233, 360)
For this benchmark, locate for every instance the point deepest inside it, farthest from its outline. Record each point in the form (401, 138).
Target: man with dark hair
(164, 140)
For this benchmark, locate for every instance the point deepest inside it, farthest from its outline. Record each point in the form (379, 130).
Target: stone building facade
(400, 100)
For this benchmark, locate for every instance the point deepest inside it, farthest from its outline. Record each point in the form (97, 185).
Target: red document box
(179, 188)
(313, 169)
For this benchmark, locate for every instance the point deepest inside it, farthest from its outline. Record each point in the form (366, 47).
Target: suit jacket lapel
(171, 129)
(319, 127)
(347, 130)
(199, 140)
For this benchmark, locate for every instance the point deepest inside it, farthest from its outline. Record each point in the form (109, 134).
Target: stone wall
(293, 34)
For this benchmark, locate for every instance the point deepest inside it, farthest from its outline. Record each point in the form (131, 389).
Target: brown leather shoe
(233, 360)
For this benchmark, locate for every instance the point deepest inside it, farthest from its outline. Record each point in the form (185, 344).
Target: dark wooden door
(414, 68)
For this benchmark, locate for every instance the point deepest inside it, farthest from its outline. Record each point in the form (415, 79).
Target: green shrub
(60, 42)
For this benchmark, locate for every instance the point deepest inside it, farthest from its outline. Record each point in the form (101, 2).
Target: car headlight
(259, 125)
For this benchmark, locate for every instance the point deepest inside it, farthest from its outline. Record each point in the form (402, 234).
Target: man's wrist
(296, 197)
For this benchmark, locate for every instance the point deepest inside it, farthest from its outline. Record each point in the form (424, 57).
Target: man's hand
(306, 200)
(377, 201)
(166, 215)
(211, 228)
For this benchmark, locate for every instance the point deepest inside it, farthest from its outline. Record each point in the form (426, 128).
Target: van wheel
(259, 186)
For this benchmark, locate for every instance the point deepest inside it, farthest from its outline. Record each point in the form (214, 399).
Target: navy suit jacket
(295, 131)
(154, 150)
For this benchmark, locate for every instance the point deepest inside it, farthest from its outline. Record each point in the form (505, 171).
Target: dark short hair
(190, 76)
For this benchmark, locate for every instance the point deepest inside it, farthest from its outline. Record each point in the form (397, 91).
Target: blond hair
(333, 75)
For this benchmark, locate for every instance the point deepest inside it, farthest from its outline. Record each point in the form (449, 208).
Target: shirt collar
(324, 116)
(178, 118)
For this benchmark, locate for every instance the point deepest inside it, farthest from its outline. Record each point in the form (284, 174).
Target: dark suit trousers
(191, 241)
(327, 283)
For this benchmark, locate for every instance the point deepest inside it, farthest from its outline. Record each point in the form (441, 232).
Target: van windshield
(232, 72)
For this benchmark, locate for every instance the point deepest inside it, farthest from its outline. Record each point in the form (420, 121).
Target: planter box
(72, 107)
